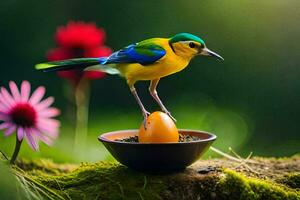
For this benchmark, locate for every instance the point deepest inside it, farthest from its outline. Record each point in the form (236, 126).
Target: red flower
(75, 40)
(79, 35)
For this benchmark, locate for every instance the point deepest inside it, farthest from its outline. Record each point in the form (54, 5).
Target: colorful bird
(149, 59)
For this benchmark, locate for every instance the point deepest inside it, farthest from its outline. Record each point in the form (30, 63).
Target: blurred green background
(250, 101)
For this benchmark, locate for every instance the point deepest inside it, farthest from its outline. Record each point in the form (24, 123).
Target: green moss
(236, 186)
(45, 166)
(110, 180)
(292, 180)
(102, 180)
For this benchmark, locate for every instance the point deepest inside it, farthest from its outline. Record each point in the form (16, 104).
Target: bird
(147, 60)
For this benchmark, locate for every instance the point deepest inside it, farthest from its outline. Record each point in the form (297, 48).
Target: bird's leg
(153, 92)
(144, 111)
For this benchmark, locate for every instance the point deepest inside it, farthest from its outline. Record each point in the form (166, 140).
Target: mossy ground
(269, 178)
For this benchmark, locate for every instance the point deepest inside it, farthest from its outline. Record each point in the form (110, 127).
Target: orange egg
(160, 129)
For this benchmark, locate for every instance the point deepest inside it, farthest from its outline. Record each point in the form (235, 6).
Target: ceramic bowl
(157, 157)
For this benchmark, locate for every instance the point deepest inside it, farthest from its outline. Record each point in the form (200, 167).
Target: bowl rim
(212, 137)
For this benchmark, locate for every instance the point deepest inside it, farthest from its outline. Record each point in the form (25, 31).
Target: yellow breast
(169, 64)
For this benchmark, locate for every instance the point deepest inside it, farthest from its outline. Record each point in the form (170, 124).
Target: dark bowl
(157, 157)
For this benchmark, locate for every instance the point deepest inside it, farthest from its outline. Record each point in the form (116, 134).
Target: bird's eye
(192, 44)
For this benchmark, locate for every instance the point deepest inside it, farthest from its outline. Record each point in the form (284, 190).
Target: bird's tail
(95, 64)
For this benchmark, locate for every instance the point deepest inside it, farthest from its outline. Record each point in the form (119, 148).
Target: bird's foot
(145, 114)
(169, 114)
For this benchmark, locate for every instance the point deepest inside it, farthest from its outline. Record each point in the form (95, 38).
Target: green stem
(16, 151)
(82, 97)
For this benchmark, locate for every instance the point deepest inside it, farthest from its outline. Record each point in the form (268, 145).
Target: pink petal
(3, 108)
(37, 95)
(31, 140)
(3, 117)
(5, 125)
(15, 91)
(25, 90)
(42, 137)
(20, 133)
(7, 97)
(49, 122)
(45, 103)
(4, 102)
(49, 112)
(10, 130)
(50, 131)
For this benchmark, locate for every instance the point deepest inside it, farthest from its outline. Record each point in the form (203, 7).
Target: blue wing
(144, 53)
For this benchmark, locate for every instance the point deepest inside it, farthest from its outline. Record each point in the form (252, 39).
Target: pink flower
(29, 116)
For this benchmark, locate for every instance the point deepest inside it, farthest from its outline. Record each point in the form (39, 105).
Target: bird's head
(187, 46)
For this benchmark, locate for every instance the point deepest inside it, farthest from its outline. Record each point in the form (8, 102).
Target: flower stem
(82, 98)
(16, 151)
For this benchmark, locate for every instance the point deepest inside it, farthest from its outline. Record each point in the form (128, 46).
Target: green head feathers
(186, 37)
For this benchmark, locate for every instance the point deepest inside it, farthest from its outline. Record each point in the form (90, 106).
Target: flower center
(77, 52)
(23, 115)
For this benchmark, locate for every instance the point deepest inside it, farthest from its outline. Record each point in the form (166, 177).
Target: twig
(249, 156)
(225, 155)
(234, 153)
(244, 161)
(238, 159)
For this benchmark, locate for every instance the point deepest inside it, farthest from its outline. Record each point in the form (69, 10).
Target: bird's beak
(206, 52)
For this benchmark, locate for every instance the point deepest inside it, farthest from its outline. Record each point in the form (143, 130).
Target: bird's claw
(145, 114)
(169, 114)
